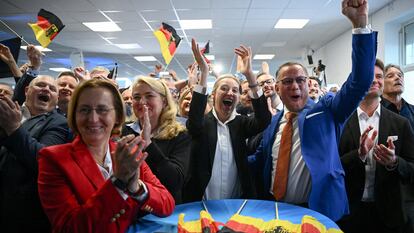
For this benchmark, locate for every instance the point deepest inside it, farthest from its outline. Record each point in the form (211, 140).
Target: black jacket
(387, 190)
(20, 209)
(203, 130)
(168, 160)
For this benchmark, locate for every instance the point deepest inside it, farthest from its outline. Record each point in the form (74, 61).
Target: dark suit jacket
(168, 160)
(387, 192)
(20, 209)
(203, 130)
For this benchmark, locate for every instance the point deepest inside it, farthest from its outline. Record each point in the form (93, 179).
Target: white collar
(232, 116)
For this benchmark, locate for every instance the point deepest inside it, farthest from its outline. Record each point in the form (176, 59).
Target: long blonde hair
(168, 126)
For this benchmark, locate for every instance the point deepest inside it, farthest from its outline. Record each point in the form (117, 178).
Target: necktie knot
(290, 116)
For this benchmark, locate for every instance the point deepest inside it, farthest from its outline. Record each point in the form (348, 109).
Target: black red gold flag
(169, 40)
(47, 27)
(206, 50)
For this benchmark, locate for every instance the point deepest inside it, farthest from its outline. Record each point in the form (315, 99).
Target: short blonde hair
(222, 77)
(97, 83)
(168, 126)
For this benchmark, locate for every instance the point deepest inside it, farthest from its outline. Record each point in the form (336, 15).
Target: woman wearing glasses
(98, 183)
(166, 140)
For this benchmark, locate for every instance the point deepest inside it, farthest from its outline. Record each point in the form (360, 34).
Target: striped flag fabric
(47, 27)
(169, 40)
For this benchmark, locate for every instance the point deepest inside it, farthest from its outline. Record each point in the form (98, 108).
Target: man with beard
(298, 156)
(267, 83)
(393, 101)
(67, 82)
(219, 168)
(377, 153)
(127, 97)
(26, 130)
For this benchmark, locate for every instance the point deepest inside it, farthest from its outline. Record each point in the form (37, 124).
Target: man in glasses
(298, 156)
(23, 132)
(267, 83)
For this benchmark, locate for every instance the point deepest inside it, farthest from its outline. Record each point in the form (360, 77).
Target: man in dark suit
(392, 100)
(377, 153)
(24, 131)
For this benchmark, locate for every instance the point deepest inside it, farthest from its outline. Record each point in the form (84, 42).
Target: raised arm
(198, 104)
(7, 57)
(363, 60)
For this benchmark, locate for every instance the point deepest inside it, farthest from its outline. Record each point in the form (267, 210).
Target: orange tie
(283, 160)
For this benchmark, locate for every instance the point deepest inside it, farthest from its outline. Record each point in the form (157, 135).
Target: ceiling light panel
(263, 56)
(145, 58)
(196, 24)
(102, 26)
(291, 23)
(128, 46)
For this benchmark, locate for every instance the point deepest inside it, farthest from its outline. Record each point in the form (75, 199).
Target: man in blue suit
(314, 174)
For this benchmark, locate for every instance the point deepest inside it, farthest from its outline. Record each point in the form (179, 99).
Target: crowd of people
(78, 154)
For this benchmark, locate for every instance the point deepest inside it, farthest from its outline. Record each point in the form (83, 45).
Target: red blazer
(76, 198)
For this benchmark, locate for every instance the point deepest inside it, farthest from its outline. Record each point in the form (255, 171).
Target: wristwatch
(142, 194)
(119, 183)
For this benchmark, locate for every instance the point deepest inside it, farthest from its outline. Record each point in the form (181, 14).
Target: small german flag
(206, 50)
(47, 27)
(169, 41)
(205, 224)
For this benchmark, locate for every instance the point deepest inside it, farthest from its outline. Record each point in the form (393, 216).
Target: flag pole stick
(204, 205)
(277, 210)
(21, 37)
(242, 206)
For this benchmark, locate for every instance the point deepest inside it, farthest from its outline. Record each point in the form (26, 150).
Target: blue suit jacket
(320, 127)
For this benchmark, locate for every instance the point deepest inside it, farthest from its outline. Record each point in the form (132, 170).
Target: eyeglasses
(174, 91)
(300, 80)
(268, 82)
(102, 111)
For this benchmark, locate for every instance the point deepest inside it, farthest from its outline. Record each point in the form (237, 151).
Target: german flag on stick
(47, 27)
(169, 40)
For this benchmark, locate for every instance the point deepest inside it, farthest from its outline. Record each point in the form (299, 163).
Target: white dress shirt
(299, 180)
(364, 121)
(107, 171)
(224, 182)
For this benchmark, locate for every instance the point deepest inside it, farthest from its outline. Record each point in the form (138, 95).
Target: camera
(321, 67)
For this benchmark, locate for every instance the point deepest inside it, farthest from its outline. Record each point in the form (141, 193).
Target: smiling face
(66, 86)
(294, 95)
(95, 115)
(267, 83)
(393, 81)
(314, 89)
(41, 95)
(185, 104)
(144, 95)
(245, 99)
(226, 97)
(377, 84)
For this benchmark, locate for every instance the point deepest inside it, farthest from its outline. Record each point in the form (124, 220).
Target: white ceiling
(235, 22)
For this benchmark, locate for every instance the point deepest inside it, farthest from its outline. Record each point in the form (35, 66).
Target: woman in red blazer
(95, 184)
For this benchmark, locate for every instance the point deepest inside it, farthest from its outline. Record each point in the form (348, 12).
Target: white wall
(336, 55)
